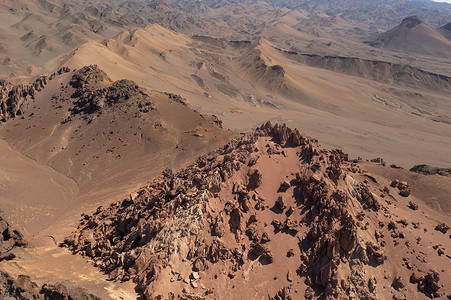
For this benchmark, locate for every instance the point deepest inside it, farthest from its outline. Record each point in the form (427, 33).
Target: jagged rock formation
(12, 97)
(91, 95)
(23, 287)
(214, 219)
(9, 239)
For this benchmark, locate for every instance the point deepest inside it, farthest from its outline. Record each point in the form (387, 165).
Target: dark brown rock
(405, 192)
(255, 179)
(280, 203)
(412, 206)
(430, 284)
(398, 283)
(442, 227)
(375, 252)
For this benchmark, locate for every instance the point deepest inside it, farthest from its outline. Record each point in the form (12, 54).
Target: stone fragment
(255, 179)
(280, 203)
(412, 206)
(442, 227)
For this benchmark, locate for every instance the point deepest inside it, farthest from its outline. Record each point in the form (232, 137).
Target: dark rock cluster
(94, 90)
(9, 239)
(22, 287)
(13, 97)
(429, 170)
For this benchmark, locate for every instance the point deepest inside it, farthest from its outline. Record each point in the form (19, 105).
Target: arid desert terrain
(248, 149)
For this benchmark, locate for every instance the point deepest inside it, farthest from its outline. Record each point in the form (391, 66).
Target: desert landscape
(267, 149)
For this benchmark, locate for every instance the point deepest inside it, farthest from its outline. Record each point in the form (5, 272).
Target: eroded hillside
(271, 214)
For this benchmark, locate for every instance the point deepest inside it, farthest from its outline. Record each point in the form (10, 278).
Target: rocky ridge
(12, 97)
(213, 217)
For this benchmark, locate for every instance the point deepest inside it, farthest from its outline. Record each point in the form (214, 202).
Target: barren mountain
(272, 215)
(100, 133)
(414, 36)
(139, 168)
(32, 32)
(80, 139)
(246, 83)
(380, 13)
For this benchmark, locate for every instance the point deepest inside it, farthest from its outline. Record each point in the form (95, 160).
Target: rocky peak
(89, 77)
(411, 21)
(95, 90)
(12, 97)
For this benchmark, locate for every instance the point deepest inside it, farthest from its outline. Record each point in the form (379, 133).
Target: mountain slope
(272, 215)
(414, 36)
(446, 30)
(75, 140)
(248, 82)
(106, 136)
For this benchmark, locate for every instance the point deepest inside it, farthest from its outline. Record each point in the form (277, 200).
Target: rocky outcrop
(89, 77)
(284, 136)
(13, 97)
(9, 239)
(403, 187)
(145, 231)
(215, 214)
(442, 227)
(95, 90)
(429, 284)
(22, 287)
(411, 21)
(429, 170)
